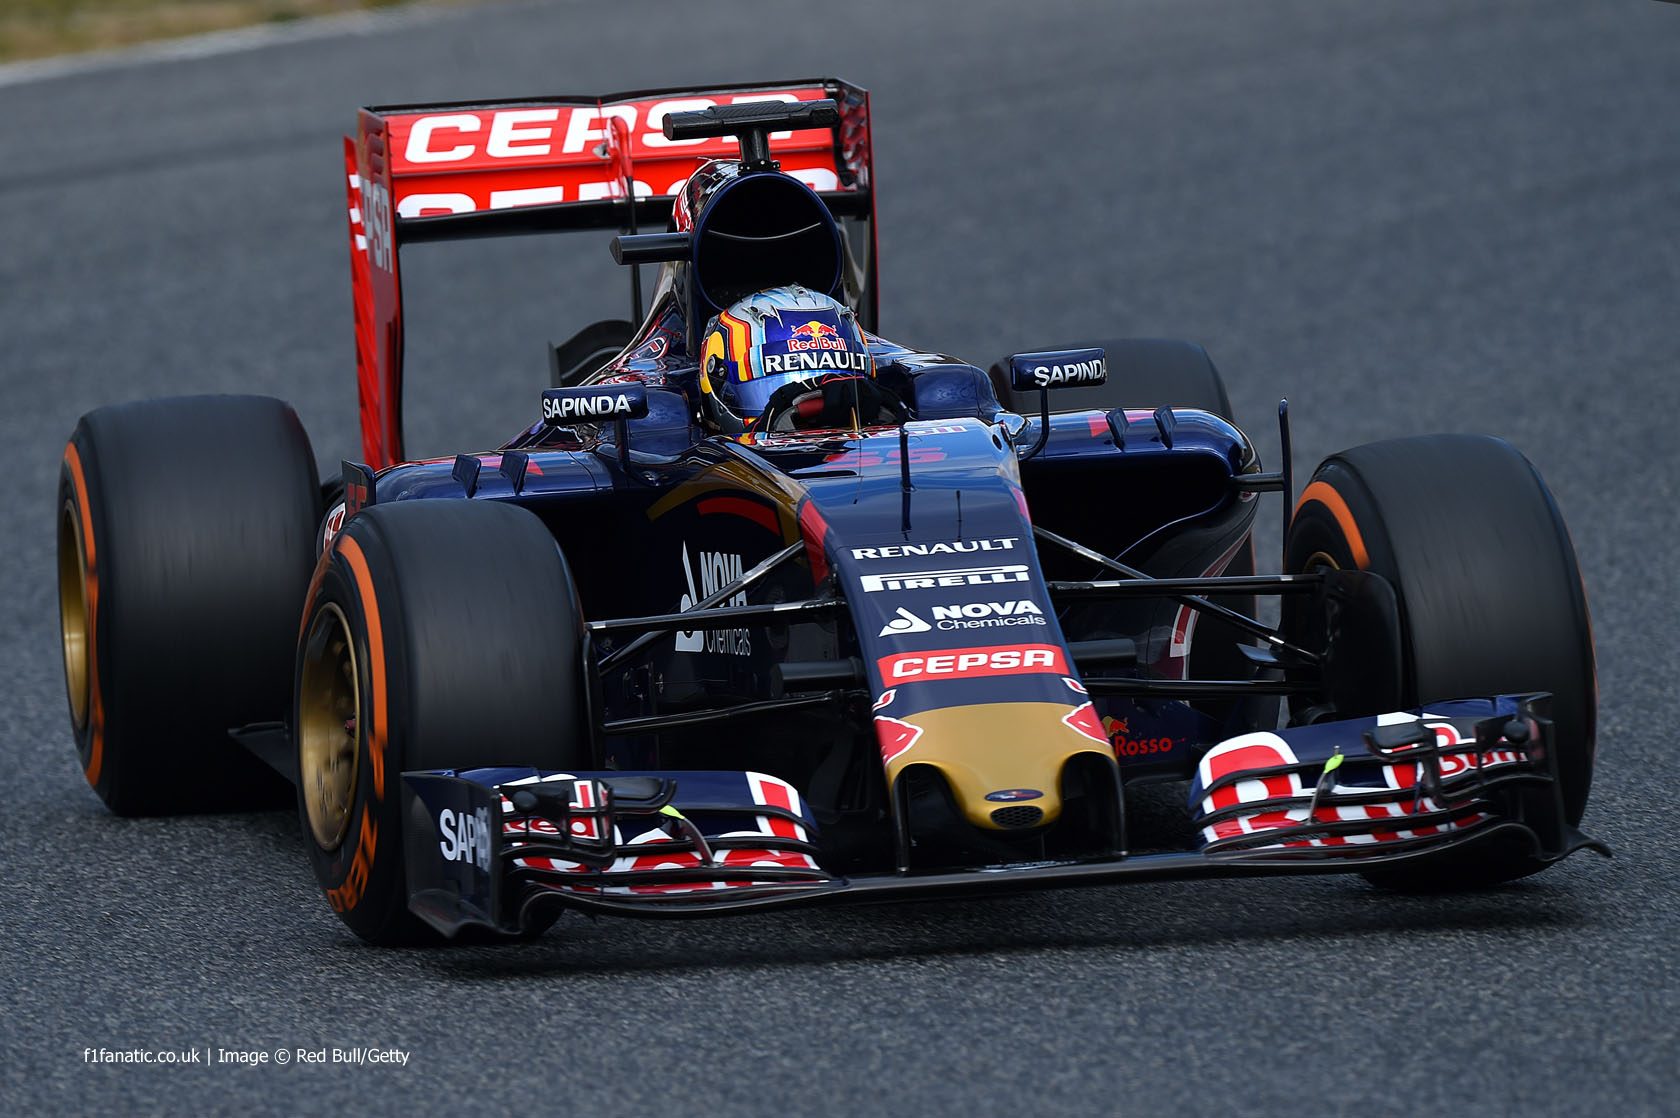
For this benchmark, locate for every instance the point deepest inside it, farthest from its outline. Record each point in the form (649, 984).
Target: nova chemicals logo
(717, 569)
(904, 624)
(987, 615)
(966, 615)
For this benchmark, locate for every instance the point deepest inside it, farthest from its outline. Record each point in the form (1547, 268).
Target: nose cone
(1003, 761)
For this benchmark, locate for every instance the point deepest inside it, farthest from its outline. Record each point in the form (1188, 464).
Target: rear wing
(459, 170)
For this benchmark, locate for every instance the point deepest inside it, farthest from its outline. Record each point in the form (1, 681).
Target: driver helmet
(770, 340)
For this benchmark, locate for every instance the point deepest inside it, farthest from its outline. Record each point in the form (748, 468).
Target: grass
(40, 28)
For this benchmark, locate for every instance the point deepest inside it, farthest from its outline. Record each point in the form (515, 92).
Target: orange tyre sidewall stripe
(1325, 494)
(96, 704)
(349, 892)
(315, 580)
(357, 562)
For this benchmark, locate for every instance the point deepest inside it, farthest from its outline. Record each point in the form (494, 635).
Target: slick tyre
(1490, 597)
(185, 539)
(440, 634)
(1152, 373)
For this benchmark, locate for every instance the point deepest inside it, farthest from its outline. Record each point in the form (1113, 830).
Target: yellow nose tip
(1002, 750)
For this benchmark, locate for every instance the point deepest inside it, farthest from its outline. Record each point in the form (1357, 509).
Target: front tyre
(1490, 597)
(441, 634)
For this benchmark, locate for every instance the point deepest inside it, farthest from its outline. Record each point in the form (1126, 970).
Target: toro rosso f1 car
(891, 627)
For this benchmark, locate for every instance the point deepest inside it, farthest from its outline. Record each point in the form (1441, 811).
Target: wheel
(185, 539)
(1490, 596)
(1150, 373)
(438, 634)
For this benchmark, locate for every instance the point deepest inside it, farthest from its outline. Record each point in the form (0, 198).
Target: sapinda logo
(1072, 373)
(558, 408)
(974, 663)
(466, 838)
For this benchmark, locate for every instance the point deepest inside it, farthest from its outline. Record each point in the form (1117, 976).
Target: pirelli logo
(929, 580)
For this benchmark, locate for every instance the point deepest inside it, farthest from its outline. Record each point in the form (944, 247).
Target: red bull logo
(815, 335)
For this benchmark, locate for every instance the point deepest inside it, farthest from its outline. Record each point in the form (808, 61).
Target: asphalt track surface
(1406, 217)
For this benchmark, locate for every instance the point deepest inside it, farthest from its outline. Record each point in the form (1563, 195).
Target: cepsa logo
(542, 133)
(973, 663)
(499, 158)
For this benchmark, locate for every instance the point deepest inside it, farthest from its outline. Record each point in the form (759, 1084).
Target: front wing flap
(1412, 780)
(485, 847)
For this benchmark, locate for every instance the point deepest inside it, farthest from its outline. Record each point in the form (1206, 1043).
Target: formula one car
(763, 609)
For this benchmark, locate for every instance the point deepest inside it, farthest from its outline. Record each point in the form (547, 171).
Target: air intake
(1021, 815)
(763, 231)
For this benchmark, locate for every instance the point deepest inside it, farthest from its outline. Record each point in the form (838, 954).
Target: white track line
(221, 42)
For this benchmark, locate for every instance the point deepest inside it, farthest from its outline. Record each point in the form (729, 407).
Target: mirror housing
(594, 403)
(1057, 368)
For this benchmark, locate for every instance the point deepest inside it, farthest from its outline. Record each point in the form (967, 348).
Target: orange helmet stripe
(740, 345)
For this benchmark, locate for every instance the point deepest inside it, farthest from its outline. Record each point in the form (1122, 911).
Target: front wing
(500, 848)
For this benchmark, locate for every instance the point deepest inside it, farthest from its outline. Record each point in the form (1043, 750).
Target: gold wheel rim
(1319, 561)
(329, 736)
(73, 621)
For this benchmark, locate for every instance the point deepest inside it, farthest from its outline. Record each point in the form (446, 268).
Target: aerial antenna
(751, 124)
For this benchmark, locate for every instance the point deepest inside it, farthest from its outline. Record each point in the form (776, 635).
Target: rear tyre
(1490, 595)
(440, 634)
(185, 537)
